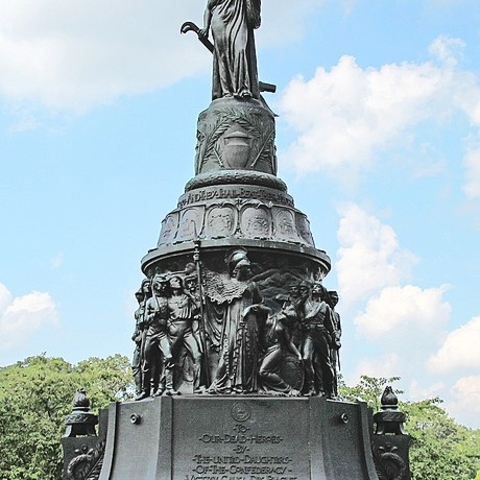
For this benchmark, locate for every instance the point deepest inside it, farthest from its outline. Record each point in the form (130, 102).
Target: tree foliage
(368, 390)
(35, 397)
(440, 448)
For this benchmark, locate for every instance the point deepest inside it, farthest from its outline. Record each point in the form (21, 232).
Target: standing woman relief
(232, 22)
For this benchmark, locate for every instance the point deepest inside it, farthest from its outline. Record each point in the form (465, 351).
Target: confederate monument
(236, 337)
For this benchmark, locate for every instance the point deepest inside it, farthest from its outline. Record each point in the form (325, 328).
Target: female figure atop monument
(235, 61)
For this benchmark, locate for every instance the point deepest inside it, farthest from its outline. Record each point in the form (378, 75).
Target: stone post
(390, 443)
(82, 449)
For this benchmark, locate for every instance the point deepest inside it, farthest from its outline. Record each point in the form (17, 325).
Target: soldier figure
(156, 339)
(318, 333)
(142, 296)
(336, 343)
(183, 313)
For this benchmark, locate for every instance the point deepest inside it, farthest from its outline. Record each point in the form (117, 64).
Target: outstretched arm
(207, 20)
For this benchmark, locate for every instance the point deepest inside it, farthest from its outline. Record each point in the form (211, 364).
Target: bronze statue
(235, 61)
(237, 370)
(142, 296)
(295, 300)
(156, 340)
(183, 314)
(336, 341)
(318, 333)
(277, 342)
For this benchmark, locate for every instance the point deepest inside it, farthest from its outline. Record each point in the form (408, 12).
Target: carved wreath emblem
(389, 465)
(241, 412)
(87, 465)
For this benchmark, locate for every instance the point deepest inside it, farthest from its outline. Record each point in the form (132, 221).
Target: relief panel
(221, 221)
(303, 229)
(191, 224)
(285, 228)
(256, 222)
(169, 228)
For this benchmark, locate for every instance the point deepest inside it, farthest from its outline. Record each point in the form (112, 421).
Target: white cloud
(370, 257)
(466, 404)
(22, 317)
(420, 392)
(76, 54)
(346, 116)
(5, 298)
(459, 350)
(447, 49)
(371, 268)
(469, 388)
(404, 309)
(471, 162)
(57, 260)
(284, 12)
(383, 366)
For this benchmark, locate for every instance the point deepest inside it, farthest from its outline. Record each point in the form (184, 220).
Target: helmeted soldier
(316, 349)
(156, 339)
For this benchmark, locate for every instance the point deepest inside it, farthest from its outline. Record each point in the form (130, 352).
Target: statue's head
(332, 298)
(139, 295)
(319, 291)
(176, 283)
(304, 289)
(293, 290)
(160, 284)
(146, 287)
(144, 291)
(239, 265)
(191, 283)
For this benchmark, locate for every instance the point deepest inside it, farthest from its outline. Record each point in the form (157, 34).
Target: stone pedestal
(236, 134)
(238, 438)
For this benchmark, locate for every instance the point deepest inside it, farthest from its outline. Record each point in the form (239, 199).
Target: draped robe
(238, 339)
(235, 61)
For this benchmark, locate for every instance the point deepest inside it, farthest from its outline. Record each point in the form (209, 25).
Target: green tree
(441, 449)
(35, 397)
(368, 389)
(440, 446)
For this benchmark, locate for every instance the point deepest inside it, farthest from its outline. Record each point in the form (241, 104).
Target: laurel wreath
(263, 134)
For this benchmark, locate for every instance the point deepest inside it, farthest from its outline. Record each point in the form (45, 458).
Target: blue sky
(379, 142)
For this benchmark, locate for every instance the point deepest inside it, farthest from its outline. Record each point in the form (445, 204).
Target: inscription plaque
(243, 443)
(233, 193)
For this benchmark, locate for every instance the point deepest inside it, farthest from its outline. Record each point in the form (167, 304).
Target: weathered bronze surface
(390, 444)
(232, 23)
(236, 247)
(238, 438)
(237, 340)
(225, 324)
